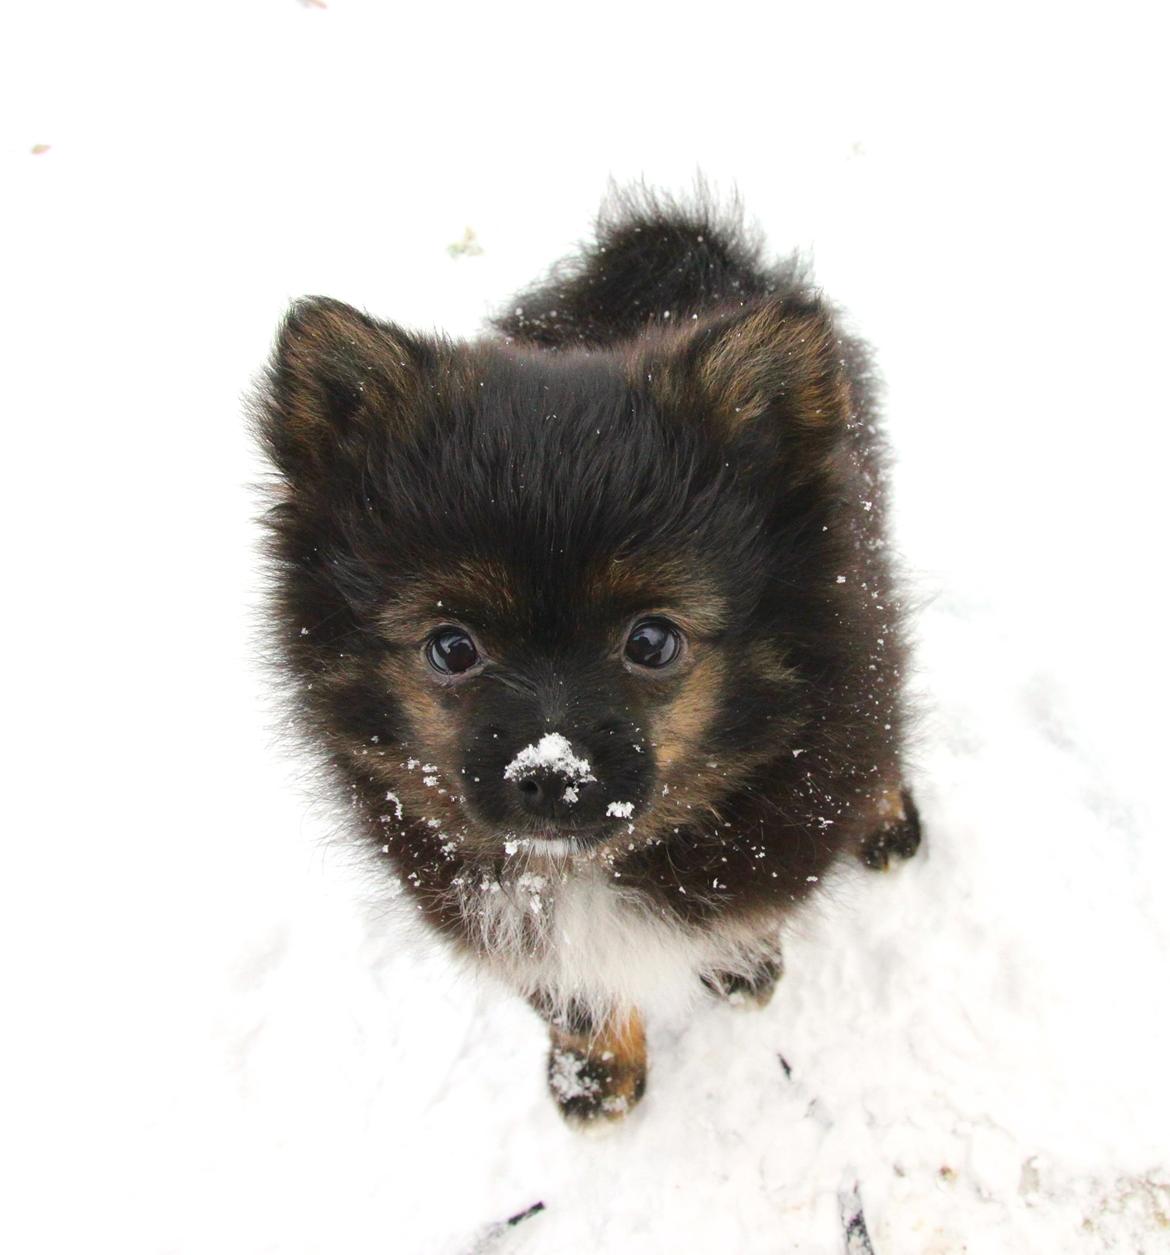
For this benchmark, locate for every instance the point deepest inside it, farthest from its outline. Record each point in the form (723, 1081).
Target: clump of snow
(620, 810)
(565, 1075)
(551, 753)
(570, 795)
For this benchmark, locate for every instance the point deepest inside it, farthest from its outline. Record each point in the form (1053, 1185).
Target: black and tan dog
(594, 619)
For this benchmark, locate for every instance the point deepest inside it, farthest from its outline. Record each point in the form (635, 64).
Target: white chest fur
(573, 932)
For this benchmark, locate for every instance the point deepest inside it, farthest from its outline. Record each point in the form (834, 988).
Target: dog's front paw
(598, 1079)
(593, 1091)
(900, 834)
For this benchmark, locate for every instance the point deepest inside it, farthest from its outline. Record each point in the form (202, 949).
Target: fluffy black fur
(667, 426)
(654, 261)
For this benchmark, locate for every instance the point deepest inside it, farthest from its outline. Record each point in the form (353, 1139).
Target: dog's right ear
(338, 383)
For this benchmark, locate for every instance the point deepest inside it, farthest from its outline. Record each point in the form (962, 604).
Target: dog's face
(556, 600)
(560, 696)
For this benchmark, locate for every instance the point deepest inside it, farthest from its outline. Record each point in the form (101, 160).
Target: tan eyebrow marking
(665, 586)
(469, 587)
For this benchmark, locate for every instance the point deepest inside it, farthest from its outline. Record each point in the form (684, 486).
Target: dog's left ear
(339, 383)
(777, 364)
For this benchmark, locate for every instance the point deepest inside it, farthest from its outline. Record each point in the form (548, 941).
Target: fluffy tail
(655, 260)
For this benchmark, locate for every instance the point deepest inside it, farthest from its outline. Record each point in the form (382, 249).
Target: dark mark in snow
(491, 1236)
(853, 1221)
(784, 1065)
(523, 1215)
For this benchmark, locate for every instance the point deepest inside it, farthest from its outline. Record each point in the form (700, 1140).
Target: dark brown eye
(654, 643)
(451, 651)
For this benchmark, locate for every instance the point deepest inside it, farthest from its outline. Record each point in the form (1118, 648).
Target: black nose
(543, 793)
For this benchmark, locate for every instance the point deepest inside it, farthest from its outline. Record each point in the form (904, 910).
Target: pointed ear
(778, 362)
(339, 379)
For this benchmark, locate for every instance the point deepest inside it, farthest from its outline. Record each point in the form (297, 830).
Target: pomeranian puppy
(593, 619)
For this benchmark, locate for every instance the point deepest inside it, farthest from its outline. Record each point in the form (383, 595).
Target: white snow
(553, 752)
(620, 810)
(565, 1075)
(220, 1032)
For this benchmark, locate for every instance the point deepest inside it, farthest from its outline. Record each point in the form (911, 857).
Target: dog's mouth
(556, 840)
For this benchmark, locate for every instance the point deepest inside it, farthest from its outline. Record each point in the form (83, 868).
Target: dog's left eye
(654, 643)
(452, 651)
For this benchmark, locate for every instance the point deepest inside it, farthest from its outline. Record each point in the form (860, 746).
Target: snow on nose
(552, 753)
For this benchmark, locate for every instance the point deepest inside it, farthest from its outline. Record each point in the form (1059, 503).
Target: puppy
(593, 618)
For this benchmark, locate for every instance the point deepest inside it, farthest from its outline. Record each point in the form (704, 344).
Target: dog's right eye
(452, 651)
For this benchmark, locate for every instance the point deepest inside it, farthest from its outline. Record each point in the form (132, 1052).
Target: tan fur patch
(768, 661)
(662, 585)
(692, 780)
(469, 590)
(432, 786)
(890, 806)
(678, 727)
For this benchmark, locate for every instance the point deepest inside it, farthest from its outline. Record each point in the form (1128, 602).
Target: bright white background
(218, 1038)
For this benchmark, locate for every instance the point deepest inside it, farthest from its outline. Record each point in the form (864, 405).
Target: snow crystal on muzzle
(551, 753)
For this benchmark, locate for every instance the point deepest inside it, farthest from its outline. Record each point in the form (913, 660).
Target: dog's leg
(754, 990)
(898, 831)
(596, 1071)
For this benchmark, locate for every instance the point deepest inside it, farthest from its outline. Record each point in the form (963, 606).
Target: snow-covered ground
(218, 1035)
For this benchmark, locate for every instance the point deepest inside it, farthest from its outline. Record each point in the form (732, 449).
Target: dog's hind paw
(752, 992)
(900, 834)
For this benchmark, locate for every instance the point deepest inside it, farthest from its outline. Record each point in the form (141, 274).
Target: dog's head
(563, 599)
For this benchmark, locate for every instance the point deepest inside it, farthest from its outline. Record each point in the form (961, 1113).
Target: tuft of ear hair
(780, 359)
(338, 378)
